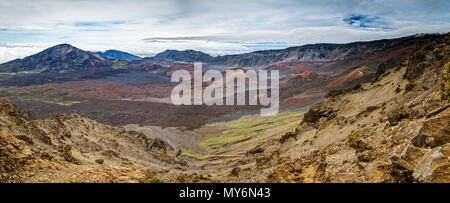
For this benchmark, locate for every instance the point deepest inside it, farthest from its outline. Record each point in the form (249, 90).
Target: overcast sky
(145, 27)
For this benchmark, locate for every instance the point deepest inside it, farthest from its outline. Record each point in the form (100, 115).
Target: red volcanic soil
(156, 66)
(392, 56)
(348, 78)
(304, 74)
(188, 67)
(287, 65)
(397, 54)
(115, 90)
(296, 101)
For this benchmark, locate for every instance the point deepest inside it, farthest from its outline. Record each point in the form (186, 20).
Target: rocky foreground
(71, 148)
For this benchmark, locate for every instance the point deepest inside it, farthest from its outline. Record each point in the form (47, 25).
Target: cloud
(366, 21)
(10, 51)
(185, 38)
(215, 27)
(98, 23)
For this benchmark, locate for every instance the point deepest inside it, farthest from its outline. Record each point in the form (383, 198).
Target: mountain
(65, 57)
(115, 54)
(315, 52)
(184, 56)
(306, 53)
(62, 57)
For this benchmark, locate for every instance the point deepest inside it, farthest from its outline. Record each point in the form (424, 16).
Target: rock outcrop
(70, 144)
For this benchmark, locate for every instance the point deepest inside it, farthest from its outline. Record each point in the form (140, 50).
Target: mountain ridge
(185, 56)
(307, 52)
(65, 56)
(116, 54)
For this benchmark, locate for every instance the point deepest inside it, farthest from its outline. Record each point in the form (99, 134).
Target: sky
(146, 27)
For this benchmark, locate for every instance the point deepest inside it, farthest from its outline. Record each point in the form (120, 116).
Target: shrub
(155, 180)
(353, 135)
(283, 160)
(409, 87)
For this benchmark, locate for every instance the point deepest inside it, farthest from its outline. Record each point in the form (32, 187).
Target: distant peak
(112, 50)
(183, 51)
(62, 45)
(188, 55)
(116, 54)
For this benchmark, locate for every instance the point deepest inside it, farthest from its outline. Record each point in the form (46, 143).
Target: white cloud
(10, 51)
(101, 25)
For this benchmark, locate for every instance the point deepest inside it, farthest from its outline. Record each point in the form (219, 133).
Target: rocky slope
(393, 129)
(70, 148)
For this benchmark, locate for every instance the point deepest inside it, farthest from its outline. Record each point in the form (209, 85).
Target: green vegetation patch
(156, 180)
(248, 128)
(119, 64)
(353, 135)
(193, 154)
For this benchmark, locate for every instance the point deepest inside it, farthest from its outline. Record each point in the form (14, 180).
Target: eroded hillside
(71, 148)
(394, 129)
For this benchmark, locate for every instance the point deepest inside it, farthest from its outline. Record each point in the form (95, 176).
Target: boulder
(434, 166)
